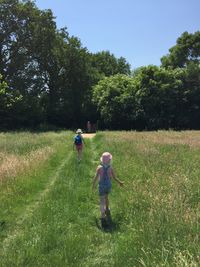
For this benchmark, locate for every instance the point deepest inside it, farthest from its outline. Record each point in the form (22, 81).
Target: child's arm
(83, 140)
(117, 180)
(95, 180)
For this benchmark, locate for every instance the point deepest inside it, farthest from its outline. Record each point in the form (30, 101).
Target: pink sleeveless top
(100, 171)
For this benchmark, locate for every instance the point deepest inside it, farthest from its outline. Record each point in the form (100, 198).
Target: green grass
(50, 212)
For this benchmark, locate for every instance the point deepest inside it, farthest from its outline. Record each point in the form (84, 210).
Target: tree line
(48, 79)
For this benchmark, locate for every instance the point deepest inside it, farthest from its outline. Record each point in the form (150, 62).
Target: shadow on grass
(110, 227)
(2, 230)
(2, 224)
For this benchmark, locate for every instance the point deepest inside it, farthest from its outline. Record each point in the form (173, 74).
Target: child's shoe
(103, 222)
(107, 212)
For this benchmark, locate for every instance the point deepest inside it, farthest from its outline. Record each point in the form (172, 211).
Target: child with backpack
(78, 143)
(104, 174)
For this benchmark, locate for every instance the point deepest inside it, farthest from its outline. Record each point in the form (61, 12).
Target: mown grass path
(58, 227)
(31, 208)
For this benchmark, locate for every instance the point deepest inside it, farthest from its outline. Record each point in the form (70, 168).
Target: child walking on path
(104, 174)
(78, 143)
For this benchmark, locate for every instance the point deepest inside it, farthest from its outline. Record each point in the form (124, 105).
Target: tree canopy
(47, 77)
(186, 50)
(50, 69)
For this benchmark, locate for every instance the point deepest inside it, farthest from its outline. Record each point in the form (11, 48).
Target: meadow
(49, 214)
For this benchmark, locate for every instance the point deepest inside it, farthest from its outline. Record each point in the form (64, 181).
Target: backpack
(105, 173)
(105, 181)
(78, 140)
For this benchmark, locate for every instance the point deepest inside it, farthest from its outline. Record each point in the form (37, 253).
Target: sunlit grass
(156, 215)
(12, 165)
(24, 175)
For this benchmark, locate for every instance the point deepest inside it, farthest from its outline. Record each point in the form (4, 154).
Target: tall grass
(50, 212)
(24, 175)
(160, 209)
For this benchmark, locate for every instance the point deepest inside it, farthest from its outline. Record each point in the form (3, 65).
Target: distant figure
(104, 174)
(94, 128)
(78, 143)
(89, 127)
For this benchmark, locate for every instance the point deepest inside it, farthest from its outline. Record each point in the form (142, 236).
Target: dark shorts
(79, 147)
(104, 189)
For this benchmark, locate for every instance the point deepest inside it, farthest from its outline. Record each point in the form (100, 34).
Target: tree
(108, 65)
(192, 95)
(186, 55)
(186, 50)
(25, 44)
(114, 98)
(154, 98)
(160, 94)
(48, 68)
(73, 82)
(8, 101)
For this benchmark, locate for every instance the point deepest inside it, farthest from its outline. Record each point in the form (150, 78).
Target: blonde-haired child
(104, 174)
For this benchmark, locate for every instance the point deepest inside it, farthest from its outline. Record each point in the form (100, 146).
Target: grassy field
(49, 214)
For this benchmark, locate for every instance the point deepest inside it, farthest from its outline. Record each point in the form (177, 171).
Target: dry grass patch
(185, 259)
(88, 135)
(190, 138)
(147, 149)
(11, 165)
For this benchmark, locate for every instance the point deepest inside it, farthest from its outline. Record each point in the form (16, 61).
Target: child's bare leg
(106, 202)
(79, 154)
(102, 206)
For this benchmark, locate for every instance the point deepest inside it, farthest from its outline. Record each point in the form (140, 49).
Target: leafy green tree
(28, 35)
(4, 97)
(154, 98)
(123, 67)
(49, 69)
(114, 98)
(8, 101)
(186, 55)
(72, 81)
(108, 65)
(192, 96)
(159, 97)
(187, 49)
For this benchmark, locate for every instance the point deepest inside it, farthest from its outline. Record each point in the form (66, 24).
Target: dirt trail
(88, 135)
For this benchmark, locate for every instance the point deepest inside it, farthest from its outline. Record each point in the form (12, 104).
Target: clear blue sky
(142, 31)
